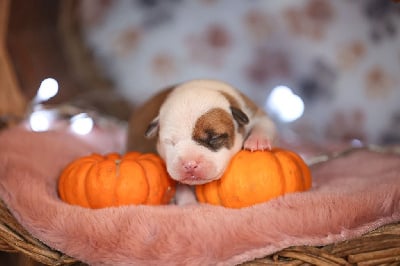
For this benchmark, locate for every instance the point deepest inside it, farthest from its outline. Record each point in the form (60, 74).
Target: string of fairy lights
(44, 118)
(283, 104)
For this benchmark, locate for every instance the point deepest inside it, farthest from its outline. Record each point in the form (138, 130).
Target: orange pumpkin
(255, 177)
(98, 181)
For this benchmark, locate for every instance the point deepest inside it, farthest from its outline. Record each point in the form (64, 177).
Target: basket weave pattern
(379, 247)
(14, 238)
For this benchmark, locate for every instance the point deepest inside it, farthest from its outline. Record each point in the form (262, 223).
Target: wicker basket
(12, 101)
(14, 238)
(379, 247)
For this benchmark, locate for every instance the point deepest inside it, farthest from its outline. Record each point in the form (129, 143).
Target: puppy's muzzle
(191, 171)
(194, 172)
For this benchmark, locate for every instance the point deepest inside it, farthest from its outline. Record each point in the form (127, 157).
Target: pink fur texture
(351, 195)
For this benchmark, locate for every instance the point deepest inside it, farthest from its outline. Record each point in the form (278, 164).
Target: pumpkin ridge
(305, 171)
(302, 176)
(282, 178)
(120, 198)
(93, 168)
(148, 184)
(211, 192)
(156, 191)
(75, 171)
(291, 173)
(70, 170)
(164, 185)
(86, 195)
(143, 170)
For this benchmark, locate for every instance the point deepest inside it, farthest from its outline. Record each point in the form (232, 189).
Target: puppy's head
(199, 129)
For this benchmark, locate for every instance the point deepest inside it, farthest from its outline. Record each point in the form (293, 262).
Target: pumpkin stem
(117, 166)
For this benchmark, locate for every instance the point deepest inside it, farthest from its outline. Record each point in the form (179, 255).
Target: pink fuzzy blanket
(351, 195)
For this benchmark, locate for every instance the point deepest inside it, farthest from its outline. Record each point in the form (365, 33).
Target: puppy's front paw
(257, 142)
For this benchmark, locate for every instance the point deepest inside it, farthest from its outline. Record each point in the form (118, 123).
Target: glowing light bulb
(40, 120)
(286, 105)
(82, 124)
(356, 143)
(48, 89)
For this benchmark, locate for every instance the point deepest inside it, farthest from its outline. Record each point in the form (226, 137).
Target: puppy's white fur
(199, 126)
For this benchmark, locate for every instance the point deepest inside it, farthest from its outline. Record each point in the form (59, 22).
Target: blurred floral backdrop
(341, 58)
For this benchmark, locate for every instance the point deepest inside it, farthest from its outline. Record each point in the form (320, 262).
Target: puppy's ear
(152, 129)
(239, 116)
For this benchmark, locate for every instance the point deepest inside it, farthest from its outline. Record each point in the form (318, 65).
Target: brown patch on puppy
(232, 101)
(214, 130)
(237, 113)
(141, 119)
(250, 104)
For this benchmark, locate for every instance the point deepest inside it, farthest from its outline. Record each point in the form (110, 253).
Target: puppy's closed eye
(213, 141)
(218, 140)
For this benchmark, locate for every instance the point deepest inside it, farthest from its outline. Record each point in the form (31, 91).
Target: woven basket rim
(15, 238)
(381, 245)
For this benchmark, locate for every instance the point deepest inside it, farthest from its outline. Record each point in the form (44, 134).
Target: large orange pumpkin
(255, 177)
(98, 181)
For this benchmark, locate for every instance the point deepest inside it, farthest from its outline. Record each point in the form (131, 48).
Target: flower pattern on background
(378, 83)
(318, 85)
(210, 47)
(383, 17)
(351, 54)
(267, 64)
(156, 12)
(341, 57)
(310, 20)
(163, 64)
(126, 41)
(258, 24)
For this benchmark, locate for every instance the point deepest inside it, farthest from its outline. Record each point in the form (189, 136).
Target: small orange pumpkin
(98, 181)
(255, 177)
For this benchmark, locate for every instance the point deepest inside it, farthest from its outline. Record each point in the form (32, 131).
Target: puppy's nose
(190, 166)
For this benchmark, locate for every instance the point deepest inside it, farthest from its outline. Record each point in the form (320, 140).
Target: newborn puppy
(196, 127)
